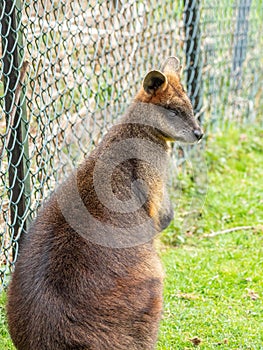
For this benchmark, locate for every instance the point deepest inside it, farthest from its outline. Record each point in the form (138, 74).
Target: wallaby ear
(172, 64)
(154, 81)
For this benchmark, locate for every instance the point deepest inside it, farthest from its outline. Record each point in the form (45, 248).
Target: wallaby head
(164, 88)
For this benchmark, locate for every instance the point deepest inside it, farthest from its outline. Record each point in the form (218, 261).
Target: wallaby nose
(198, 133)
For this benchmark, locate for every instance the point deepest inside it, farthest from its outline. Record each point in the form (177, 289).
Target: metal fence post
(193, 54)
(16, 119)
(240, 41)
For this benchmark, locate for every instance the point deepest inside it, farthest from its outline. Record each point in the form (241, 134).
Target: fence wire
(68, 69)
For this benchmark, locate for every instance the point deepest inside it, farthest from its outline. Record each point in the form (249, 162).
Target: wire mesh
(86, 61)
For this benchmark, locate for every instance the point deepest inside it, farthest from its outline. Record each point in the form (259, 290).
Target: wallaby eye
(171, 109)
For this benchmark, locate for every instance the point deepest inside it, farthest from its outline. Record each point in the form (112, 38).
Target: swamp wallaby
(87, 275)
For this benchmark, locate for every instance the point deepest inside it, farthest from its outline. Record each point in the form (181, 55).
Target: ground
(214, 288)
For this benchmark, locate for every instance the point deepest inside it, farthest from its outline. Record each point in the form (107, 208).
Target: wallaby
(87, 274)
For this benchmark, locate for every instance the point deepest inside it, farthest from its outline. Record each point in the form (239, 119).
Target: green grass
(214, 286)
(5, 341)
(225, 191)
(214, 292)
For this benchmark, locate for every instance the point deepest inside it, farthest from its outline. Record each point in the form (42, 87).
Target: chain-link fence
(69, 68)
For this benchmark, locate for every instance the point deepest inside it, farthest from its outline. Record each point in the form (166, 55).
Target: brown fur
(69, 293)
